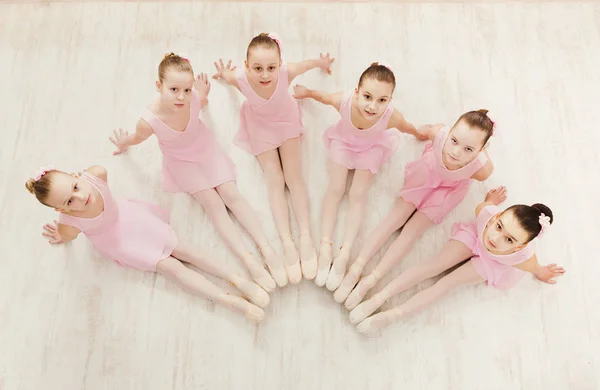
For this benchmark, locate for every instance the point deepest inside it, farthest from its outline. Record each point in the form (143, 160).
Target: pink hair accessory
(184, 56)
(276, 38)
(544, 222)
(493, 123)
(42, 171)
(384, 63)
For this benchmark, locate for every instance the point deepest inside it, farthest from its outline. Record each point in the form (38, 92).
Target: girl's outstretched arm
(545, 273)
(123, 140)
(397, 120)
(58, 233)
(331, 99)
(295, 69)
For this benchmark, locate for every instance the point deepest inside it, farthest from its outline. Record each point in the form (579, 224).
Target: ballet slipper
(350, 280)
(275, 264)
(252, 312)
(361, 289)
(324, 262)
(375, 323)
(292, 261)
(251, 290)
(365, 309)
(260, 274)
(308, 257)
(338, 269)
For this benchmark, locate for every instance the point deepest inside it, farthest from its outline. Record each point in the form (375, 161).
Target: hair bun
(171, 54)
(375, 63)
(30, 185)
(543, 209)
(483, 111)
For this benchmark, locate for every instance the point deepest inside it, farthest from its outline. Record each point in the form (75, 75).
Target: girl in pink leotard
(433, 186)
(135, 234)
(194, 162)
(270, 129)
(498, 247)
(363, 139)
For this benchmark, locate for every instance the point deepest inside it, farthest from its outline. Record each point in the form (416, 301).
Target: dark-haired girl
(498, 247)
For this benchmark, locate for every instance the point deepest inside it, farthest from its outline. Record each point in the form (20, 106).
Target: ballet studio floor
(71, 72)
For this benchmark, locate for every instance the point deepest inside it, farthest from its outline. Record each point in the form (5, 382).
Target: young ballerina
(270, 129)
(361, 141)
(135, 234)
(433, 186)
(498, 247)
(194, 162)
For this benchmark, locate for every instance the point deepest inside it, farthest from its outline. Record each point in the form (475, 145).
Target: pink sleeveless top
(131, 232)
(265, 124)
(361, 149)
(431, 187)
(193, 160)
(497, 270)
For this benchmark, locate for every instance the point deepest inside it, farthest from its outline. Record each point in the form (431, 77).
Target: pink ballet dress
(193, 160)
(265, 124)
(497, 270)
(431, 187)
(360, 149)
(132, 233)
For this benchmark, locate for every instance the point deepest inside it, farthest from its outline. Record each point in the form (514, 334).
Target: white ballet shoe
(260, 274)
(292, 261)
(338, 270)
(294, 272)
(361, 289)
(255, 314)
(334, 279)
(275, 263)
(348, 283)
(252, 312)
(251, 290)
(324, 263)
(374, 323)
(365, 309)
(308, 257)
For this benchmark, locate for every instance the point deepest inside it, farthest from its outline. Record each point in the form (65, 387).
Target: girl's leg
(451, 254)
(271, 166)
(197, 284)
(248, 218)
(207, 262)
(292, 170)
(412, 230)
(338, 174)
(214, 207)
(463, 276)
(357, 202)
(395, 220)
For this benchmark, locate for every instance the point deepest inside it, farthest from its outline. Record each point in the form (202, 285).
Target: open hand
(325, 62)
(496, 196)
(547, 273)
(222, 68)
(300, 91)
(202, 85)
(51, 231)
(119, 141)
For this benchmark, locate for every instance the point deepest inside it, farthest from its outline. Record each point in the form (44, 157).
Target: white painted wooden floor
(71, 72)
